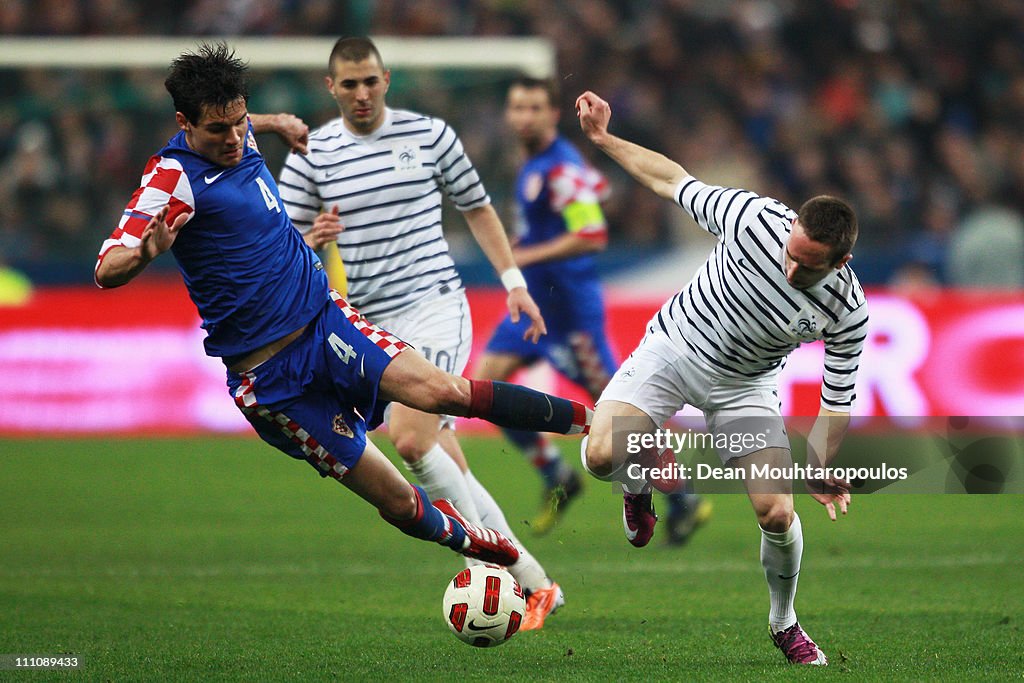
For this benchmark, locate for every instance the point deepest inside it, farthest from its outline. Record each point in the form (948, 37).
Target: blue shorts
(582, 355)
(316, 398)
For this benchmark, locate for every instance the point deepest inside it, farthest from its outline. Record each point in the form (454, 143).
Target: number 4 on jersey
(268, 196)
(345, 351)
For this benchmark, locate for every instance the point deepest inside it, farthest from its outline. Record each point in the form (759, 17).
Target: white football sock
(441, 477)
(527, 570)
(780, 557)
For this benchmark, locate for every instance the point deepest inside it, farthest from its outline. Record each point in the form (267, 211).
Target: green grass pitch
(221, 559)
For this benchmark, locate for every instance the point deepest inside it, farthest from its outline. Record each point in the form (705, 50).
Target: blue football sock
(682, 502)
(430, 524)
(676, 505)
(516, 407)
(552, 473)
(542, 455)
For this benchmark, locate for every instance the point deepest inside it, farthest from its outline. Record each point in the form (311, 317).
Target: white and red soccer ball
(484, 605)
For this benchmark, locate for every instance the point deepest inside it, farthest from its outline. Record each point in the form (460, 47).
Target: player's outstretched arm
(651, 169)
(823, 443)
(121, 264)
(486, 227)
(562, 247)
(290, 128)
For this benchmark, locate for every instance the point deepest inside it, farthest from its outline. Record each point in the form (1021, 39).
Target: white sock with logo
(527, 570)
(780, 557)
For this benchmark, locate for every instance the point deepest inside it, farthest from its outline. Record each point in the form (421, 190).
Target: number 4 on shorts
(345, 351)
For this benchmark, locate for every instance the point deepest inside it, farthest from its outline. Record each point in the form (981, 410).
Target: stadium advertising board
(80, 360)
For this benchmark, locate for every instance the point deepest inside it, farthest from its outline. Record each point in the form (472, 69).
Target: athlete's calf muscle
(410, 379)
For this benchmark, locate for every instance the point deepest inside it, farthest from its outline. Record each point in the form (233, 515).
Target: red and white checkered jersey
(164, 183)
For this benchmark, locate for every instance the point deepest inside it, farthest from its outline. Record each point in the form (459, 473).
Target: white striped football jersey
(387, 186)
(741, 318)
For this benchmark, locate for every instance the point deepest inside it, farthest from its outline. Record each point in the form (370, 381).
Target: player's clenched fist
(594, 114)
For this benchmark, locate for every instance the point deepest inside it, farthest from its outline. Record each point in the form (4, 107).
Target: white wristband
(512, 278)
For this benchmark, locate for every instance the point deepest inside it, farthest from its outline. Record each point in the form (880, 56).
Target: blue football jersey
(247, 269)
(557, 192)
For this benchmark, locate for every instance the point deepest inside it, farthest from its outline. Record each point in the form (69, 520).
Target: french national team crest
(341, 427)
(406, 156)
(807, 324)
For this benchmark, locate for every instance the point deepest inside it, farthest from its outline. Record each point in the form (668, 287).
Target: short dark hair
(831, 221)
(548, 85)
(353, 49)
(211, 76)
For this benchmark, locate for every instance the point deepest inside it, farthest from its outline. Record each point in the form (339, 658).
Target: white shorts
(660, 378)
(441, 329)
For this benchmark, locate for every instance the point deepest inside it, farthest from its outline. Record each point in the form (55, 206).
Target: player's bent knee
(411, 446)
(777, 515)
(400, 504)
(596, 454)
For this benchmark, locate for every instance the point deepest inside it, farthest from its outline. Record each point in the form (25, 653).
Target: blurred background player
(372, 182)
(561, 226)
(776, 279)
(307, 371)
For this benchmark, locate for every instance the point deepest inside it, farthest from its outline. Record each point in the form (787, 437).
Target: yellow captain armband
(580, 215)
(335, 268)
(15, 288)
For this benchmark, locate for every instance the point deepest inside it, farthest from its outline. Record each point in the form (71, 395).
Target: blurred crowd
(911, 109)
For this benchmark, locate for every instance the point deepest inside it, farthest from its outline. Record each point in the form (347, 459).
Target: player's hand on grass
(594, 114)
(521, 303)
(830, 493)
(157, 237)
(326, 228)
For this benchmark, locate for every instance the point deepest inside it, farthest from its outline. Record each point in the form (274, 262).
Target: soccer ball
(484, 605)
